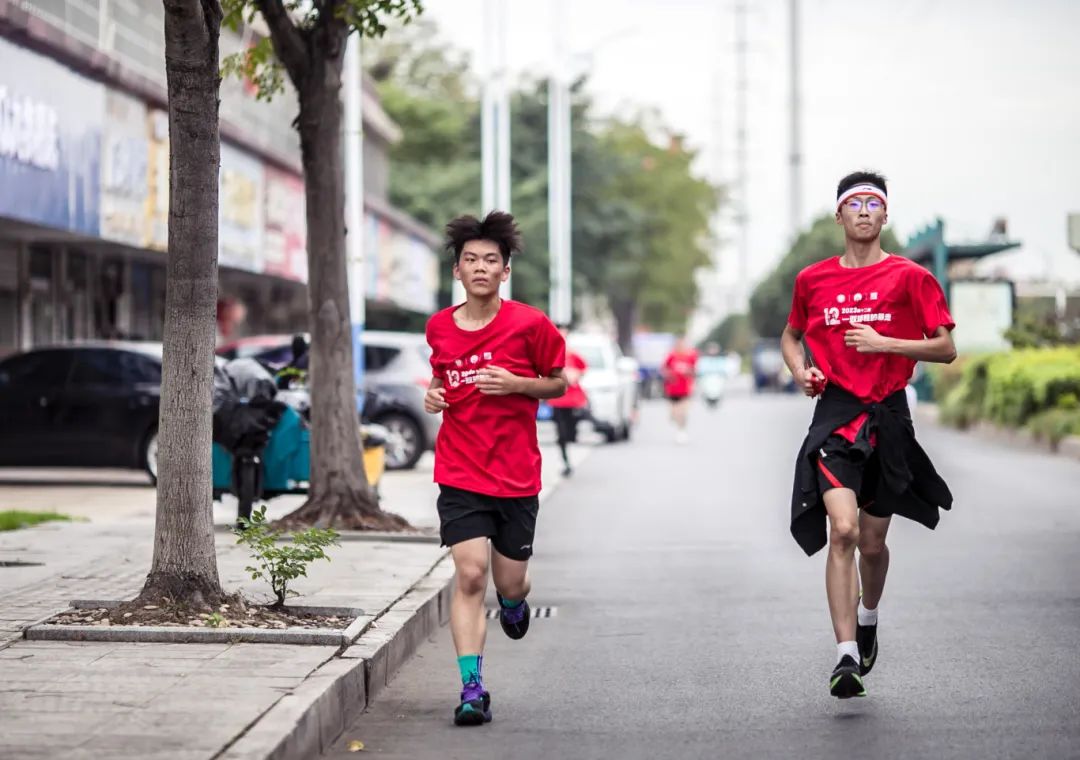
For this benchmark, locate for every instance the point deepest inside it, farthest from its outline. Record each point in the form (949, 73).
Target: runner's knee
(844, 533)
(871, 544)
(472, 577)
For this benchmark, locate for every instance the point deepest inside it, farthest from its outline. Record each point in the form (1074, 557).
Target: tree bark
(340, 496)
(184, 567)
(625, 311)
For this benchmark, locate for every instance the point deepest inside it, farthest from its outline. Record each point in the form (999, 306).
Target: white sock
(848, 648)
(867, 617)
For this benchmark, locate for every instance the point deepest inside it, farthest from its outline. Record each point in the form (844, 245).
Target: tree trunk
(625, 312)
(185, 563)
(340, 496)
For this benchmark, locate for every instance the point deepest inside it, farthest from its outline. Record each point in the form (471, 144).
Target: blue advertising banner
(50, 142)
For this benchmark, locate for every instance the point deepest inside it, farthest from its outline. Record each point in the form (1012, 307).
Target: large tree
(184, 568)
(308, 39)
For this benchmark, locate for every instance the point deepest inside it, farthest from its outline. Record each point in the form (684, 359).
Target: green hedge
(1037, 387)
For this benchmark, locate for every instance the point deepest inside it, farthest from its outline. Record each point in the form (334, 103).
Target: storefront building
(84, 190)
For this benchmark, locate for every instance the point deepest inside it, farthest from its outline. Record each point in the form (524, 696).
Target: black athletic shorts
(677, 397)
(841, 465)
(510, 523)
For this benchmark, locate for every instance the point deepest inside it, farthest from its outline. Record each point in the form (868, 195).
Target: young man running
(678, 370)
(570, 408)
(491, 360)
(867, 316)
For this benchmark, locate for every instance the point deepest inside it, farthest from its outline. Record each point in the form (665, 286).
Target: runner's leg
(873, 557)
(467, 623)
(840, 580)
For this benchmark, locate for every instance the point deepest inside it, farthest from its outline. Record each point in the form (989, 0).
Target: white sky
(971, 108)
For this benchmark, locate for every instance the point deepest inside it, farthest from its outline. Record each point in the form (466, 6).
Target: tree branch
(288, 41)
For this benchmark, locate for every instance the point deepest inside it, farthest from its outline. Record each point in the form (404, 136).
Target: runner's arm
(795, 357)
(434, 401)
(939, 348)
(552, 386)
(496, 381)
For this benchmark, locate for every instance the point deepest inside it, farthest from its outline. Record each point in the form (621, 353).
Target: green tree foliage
(771, 299)
(733, 333)
(640, 217)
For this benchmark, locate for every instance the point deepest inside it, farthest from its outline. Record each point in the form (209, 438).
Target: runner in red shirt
(678, 370)
(867, 317)
(571, 407)
(491, 361)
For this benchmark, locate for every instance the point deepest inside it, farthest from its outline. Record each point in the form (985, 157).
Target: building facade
(84, 187)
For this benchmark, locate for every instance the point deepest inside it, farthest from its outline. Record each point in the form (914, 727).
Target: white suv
(610, 381)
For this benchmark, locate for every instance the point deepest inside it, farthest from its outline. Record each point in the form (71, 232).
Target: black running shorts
(510, 523)
(841, 465)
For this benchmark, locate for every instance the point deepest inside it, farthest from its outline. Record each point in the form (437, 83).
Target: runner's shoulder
(818, 268)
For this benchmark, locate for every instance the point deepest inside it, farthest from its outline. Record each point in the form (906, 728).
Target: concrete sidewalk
(126, 700)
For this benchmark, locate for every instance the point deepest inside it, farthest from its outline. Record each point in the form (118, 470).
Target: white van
(610, 382)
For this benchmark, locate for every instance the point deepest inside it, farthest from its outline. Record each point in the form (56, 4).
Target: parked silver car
(396, 364)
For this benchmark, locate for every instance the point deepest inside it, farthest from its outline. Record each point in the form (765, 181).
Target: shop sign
(50, 142)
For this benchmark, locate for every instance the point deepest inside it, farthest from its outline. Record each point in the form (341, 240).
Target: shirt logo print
(854, 314)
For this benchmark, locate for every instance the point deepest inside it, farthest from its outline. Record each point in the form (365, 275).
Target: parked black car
(88, 405)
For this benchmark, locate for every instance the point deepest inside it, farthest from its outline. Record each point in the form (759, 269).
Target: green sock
(469, 665)
(510, 603)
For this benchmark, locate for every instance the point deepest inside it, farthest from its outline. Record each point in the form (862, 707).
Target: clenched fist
(435, 401)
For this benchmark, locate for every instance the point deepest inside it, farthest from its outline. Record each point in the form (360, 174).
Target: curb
(1068, 447)
(184, 634)
(328, 700)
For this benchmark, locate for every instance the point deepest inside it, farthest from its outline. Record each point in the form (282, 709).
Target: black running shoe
(475, 707)
(514, 620)
(845, 681)
(866, 638)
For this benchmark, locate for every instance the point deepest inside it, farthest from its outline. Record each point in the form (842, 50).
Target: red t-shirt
(679, 377)
(895, 296)
(574, 398)
(487, 444)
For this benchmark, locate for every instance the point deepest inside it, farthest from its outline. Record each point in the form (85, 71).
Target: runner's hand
(811, 380)
(496, 381)
(865, 339)
(435, 401)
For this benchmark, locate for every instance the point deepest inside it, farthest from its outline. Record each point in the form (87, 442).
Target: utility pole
(742, 214)
(560, 267)
(495, 116)
(354, 205)
(796, 133)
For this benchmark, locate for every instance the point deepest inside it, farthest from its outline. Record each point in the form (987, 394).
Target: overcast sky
(971, 108)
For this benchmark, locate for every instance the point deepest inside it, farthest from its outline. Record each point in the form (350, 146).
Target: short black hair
(498, 226)
(861, 178)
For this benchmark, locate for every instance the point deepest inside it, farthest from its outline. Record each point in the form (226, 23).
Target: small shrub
(279, 565)
(1055, 424)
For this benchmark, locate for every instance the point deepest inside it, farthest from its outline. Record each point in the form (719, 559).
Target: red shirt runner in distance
(575, 397)
(679, 378)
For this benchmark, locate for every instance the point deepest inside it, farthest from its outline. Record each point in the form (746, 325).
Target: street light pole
(560, 266)
(795, 177)
(354, 205)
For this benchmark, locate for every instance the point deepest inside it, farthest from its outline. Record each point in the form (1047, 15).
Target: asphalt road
(689, 624)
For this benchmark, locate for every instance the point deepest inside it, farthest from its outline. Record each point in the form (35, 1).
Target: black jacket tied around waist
(909, 485)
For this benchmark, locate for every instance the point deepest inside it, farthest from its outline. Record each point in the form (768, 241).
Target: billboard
(983, 311)
(241, 210)
(125, 161)
(401, 268)
(285, 252)
(50, 142)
